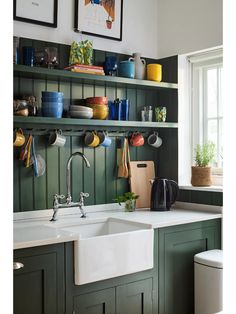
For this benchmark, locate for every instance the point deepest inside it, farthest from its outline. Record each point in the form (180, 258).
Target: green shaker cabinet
(39, 285)
(45, 285)
(135, 297)
(99, 302)
(177, 246)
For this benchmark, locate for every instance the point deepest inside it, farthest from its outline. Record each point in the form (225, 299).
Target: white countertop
(36, 231)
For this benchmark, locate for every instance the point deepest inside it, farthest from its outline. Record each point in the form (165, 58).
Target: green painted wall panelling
(100, 181)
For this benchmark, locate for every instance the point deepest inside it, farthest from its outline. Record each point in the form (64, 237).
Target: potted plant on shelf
(201, 172)
(129, 198)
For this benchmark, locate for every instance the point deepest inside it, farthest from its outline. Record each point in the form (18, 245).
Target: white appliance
(208, 281)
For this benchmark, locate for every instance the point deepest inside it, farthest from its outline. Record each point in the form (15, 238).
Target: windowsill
(212, 188)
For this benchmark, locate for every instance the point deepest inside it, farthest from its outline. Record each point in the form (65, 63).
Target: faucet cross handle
(82, 195)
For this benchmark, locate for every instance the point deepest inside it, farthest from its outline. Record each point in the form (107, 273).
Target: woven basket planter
(201, 176)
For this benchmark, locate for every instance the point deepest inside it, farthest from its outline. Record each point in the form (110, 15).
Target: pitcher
(140, 66)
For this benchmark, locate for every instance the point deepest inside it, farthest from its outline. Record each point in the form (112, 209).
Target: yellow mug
(154, 72)
(19, 138)
(91, 139)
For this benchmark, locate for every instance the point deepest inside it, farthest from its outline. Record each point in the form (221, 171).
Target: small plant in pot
(201, 172)
(129, 198)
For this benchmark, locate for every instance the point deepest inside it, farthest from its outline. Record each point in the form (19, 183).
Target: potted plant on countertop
(129, 198)
(201, 172)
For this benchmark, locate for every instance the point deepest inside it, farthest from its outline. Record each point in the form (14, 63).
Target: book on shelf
(85, 68)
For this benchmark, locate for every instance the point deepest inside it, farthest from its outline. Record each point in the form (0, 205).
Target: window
(200, 112)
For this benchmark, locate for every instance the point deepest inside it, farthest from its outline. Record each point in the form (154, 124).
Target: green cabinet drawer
(39, 285)
(99, 302)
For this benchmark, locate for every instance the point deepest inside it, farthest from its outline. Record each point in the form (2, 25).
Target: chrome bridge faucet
(69, 202)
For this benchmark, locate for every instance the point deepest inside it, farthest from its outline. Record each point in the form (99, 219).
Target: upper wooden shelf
(63, 75)
(78, 124)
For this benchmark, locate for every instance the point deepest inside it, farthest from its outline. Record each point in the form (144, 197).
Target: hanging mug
(137, 139)
(91, 139)
(154, 140)
(57, 139)
(105, 140)
(19, 138)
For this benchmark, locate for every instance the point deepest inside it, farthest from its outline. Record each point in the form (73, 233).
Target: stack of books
(84, 68)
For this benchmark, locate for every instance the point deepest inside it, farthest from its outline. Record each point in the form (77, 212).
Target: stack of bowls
(99, 106)
(80, 112)
(52, 104)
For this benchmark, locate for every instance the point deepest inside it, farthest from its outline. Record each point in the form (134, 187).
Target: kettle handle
(175, 191)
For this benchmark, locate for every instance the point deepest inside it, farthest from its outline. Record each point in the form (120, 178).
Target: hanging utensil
(27, 161)
(35, 161)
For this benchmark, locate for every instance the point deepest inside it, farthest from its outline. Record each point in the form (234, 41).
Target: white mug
(57, 139)
(154, 140)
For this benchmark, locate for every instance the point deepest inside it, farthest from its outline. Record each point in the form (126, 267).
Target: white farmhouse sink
(110, 249)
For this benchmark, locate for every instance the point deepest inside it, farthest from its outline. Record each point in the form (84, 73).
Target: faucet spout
(68, 173)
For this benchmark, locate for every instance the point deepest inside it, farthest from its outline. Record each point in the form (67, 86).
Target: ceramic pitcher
(140, 66)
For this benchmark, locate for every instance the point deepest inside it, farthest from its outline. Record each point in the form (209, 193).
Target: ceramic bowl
(81, 114)
(97, 100)
(100, 114)
(80, 108)
(22, 112)
(98, 107)
(52, 95)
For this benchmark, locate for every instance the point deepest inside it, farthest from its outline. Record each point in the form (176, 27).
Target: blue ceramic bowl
(50, 99)
(127, 69)
(52, 104)
(52, 112)
(52, 95)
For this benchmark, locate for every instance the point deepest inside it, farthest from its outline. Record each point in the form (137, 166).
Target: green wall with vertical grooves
(100, 180)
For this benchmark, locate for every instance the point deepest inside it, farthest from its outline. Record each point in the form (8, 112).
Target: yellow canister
(154, 72)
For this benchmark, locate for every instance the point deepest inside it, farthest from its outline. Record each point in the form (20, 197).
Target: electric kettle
(163, 194)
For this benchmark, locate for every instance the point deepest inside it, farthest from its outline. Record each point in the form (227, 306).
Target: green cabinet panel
(99, 302)
(39, 285)
(135, 297)
(177, 246)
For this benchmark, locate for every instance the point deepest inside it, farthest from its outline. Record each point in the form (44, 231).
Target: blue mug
(105, 140)
(110, 65)
(127, 69)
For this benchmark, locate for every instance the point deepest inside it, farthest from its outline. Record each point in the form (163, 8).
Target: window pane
(220, 161)
(220, 92)
(212, 93)
(212, 136)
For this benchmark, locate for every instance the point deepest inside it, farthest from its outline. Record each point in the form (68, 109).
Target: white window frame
(187, 110)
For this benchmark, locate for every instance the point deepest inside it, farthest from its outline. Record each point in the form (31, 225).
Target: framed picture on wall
(102, 18)
(42, 12)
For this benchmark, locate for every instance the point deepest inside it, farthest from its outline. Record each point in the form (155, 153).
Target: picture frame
(101, 18)
(42, 12)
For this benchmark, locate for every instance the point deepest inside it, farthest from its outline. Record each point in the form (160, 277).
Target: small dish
(80, 108)
(81, 115)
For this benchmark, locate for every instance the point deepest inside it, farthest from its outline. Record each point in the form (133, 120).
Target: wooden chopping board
(140, 174)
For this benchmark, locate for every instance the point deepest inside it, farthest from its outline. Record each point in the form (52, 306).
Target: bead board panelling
(100, 180)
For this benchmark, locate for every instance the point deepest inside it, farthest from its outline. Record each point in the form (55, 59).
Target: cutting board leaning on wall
(141, 172)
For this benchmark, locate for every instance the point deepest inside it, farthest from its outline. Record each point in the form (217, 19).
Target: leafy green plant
(128, 196)
(204, 154)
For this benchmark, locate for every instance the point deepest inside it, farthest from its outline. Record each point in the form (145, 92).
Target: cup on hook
(91, 139)
(18, 138)
(105, 140)
(137, 139)
(57, 139)
(154, 140)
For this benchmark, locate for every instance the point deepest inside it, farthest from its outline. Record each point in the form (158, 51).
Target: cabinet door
(38, 286)
(177, 247)
(135, 298)
(99, 302)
